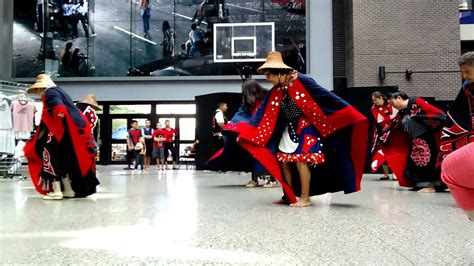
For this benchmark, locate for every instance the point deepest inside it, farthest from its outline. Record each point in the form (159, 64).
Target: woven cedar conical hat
(274, 61)
(92, 101)
(42, 81)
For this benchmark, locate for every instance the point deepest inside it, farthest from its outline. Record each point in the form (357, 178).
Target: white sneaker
(270, 184)
(251, 184)
(69, 194)
(53, 196)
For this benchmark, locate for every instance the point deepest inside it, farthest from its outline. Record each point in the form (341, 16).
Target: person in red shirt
(159, 146)
(170, 135)
(133, 137)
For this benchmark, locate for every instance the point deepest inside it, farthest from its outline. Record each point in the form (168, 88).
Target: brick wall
(420, 34)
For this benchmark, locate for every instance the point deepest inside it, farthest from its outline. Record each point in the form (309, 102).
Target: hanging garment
(5, 114)
(23, 112)
(7, 137)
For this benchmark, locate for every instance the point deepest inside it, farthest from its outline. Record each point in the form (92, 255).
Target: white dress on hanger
(7, 136)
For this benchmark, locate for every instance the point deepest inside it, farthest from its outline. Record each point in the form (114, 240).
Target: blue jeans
(146, 20)
(139, 160)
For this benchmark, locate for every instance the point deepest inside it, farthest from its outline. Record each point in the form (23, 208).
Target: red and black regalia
(303, 122)
(411, 146)
(62, 146)
(383, 116)
(459, 128)
(232, 157)
(91, 116)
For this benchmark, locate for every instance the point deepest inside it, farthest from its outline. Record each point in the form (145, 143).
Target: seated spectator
(66, 54)
(79, 60)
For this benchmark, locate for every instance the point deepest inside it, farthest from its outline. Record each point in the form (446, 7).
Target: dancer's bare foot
(302, 203)
(427, 190)
(281, 201)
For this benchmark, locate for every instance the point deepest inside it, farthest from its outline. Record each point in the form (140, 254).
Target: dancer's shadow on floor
(344, 205)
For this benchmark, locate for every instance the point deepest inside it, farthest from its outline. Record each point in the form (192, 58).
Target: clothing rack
(13, 87)
(11, 163)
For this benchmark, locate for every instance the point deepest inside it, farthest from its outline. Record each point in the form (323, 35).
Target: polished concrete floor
(190, 217)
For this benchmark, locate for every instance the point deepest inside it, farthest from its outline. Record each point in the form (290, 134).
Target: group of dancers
(306, 137)
(427, 149)
(314, 142)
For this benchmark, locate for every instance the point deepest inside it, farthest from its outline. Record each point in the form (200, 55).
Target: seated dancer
(309, 139)
(414, 149)
(61, 155)
(383, 113)
(252, 95)
(457, 141)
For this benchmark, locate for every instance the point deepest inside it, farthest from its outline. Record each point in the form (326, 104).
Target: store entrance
(118, 136)
(116, 118)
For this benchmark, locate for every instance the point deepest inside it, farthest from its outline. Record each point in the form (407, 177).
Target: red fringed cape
(56, 101)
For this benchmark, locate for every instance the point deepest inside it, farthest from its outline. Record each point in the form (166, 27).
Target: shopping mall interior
(171, 132)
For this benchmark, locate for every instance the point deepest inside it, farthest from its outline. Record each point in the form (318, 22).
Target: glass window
(118, 152)
(130, 109)
(98, 38)
(176, 109)
(101, 111)
(141, 122)
(182, 148)
(163, 119)
(119, 128)
(97, 157)
(187, 128)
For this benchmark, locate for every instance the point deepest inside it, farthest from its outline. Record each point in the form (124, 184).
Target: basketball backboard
(243, 42)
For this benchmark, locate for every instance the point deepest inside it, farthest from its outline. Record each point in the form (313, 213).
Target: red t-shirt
(170, 133)
(134, 135)
(156, 133)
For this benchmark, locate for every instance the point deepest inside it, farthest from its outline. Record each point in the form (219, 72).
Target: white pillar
(319, 46)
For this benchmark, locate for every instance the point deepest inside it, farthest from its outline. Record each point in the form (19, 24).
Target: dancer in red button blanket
(309, 139)
(61, 156)
(232, 157)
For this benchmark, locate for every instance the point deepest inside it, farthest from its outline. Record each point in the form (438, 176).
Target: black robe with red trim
(411, 148)
(73, 131)
(343, 130)
(458, 130)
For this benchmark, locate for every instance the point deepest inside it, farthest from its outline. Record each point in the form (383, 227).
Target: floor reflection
(193, 217)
